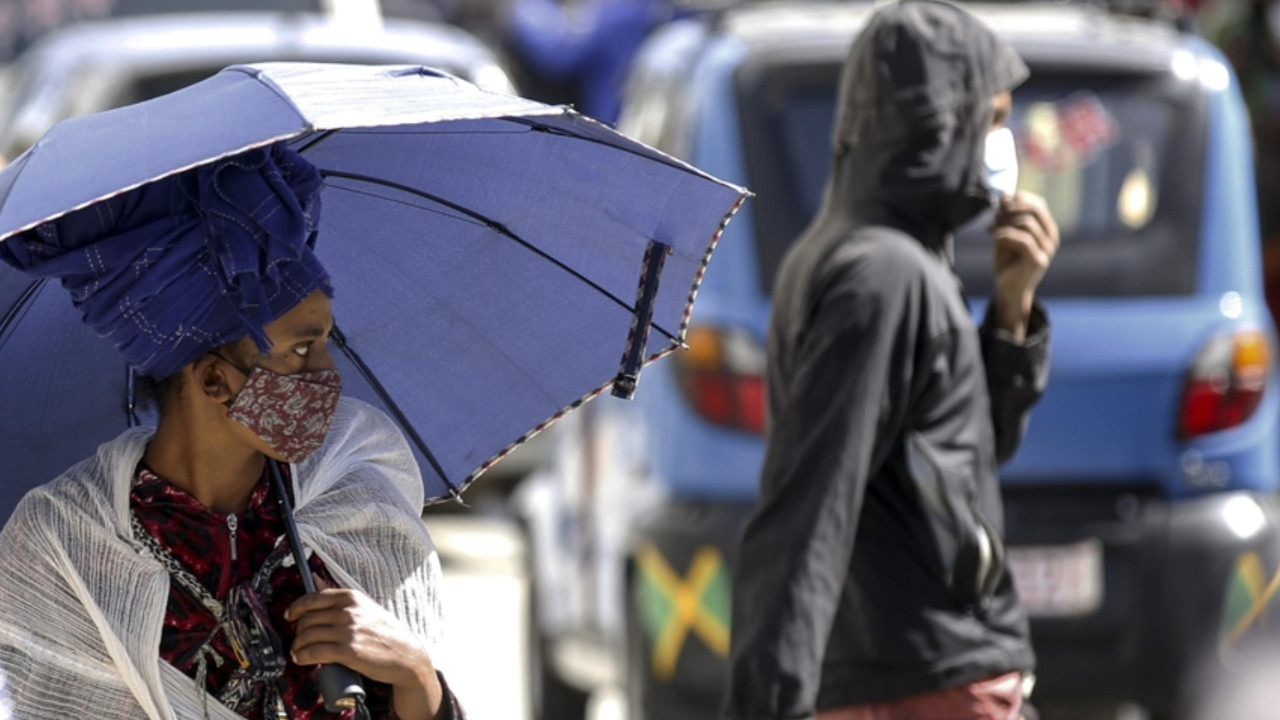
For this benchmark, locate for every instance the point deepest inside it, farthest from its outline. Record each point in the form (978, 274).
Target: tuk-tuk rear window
(1119, 157)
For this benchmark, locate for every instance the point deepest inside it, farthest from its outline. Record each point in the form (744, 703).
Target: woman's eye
(302, 350)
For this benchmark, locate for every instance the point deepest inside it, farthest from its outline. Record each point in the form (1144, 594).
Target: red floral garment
(202, 541)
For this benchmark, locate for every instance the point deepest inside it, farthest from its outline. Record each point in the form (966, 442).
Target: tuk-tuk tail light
(722, 377)
(1226, 383)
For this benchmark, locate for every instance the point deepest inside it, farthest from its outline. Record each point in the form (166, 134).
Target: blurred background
(588, 574)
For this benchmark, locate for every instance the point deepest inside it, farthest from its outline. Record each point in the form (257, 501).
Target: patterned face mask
(291, 413)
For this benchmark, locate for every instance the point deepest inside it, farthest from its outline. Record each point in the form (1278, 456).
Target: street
(485, 658)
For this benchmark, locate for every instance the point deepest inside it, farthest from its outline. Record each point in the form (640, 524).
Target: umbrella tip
(457, 497)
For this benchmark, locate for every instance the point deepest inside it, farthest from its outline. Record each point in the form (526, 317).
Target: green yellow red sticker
(1250, 592)
(674, 606)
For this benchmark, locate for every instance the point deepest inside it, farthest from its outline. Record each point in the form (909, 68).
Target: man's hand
(347, 627)
(1026, 238)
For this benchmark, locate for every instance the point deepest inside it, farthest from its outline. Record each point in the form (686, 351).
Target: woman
(151, 580)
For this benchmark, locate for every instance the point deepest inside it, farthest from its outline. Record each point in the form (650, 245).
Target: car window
(145, 87)
(1119, 158)
(23, 23)
(37, 104)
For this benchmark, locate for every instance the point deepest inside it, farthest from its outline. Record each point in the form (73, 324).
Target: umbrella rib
(392, 406)
(495, 226)
(471, 132)
(433, 210)
(314, 140)
(662, 158)
(19, 307)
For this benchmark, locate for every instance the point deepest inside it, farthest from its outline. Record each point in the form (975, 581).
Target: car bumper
(1183, 588)
(682, 548)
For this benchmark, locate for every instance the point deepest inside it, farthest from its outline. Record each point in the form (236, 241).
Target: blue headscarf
(180, 266)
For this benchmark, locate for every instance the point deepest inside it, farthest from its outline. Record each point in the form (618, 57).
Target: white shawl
(81, 611)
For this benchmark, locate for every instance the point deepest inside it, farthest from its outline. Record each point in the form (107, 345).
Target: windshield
(21, 27)
(1118, 157)
(122, 8)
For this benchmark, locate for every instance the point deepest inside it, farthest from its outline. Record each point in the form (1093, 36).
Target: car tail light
(1226, 383)
(722, 376)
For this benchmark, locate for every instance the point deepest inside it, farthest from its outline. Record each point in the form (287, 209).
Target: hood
(912, 117)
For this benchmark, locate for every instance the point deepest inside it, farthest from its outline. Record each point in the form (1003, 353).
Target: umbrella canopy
(496, 261)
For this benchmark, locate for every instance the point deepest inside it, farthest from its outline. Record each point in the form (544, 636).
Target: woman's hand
(337, 625)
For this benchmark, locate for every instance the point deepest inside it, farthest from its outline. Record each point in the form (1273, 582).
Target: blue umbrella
(497, 261)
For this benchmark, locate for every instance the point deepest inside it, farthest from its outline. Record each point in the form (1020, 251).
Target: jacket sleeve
(1017, 375)
(844, 396)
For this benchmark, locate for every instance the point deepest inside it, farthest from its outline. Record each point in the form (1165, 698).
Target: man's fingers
(1025, 220)
(1034, 205)
(1010, 239)
(1027, 202)
(1033, 226)
(1023, 201)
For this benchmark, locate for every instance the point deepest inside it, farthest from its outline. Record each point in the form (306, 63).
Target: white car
(107, 63)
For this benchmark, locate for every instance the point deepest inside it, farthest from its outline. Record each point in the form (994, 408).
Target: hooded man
(871, 580)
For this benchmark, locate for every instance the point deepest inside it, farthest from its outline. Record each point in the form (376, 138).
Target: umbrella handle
(339, 685)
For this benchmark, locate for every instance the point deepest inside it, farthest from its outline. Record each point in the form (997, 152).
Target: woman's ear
(212, 377)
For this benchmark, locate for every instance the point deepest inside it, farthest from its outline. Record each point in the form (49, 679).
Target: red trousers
(999, 698)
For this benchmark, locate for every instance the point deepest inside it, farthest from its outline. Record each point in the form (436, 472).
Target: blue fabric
(590, 42)
(486, 251)
(175, 268)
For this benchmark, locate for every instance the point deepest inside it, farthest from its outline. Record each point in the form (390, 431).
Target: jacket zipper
(228, 570)
(233, 524)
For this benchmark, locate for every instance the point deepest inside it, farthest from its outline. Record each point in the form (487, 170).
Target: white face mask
(1000, 160)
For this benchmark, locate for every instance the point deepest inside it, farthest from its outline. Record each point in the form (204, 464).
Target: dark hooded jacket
(873, 567)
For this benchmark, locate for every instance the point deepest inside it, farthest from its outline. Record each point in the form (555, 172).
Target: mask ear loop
(247, 373)
(235, 365)
(131, 398)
